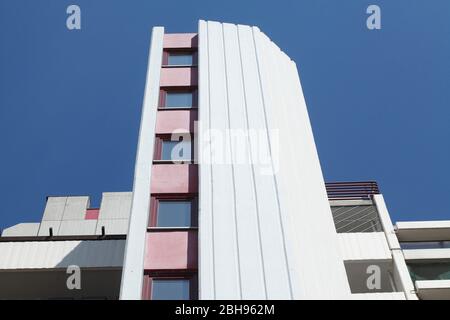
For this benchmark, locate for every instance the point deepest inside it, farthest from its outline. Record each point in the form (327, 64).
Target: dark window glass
(174, 213)
(170, 289)
(180, 59)
(179, 99)
(426, 245)
(430, 271)
(176, 150)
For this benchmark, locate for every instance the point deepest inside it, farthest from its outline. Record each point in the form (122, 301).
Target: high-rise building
(228, 200)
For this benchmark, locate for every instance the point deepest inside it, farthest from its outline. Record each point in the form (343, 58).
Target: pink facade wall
(92, 214)
(180, 40)
(167, 121)
(178, 77)
(174, 178)
(175, 250)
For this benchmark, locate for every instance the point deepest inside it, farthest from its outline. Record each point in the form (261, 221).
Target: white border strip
(133, 266)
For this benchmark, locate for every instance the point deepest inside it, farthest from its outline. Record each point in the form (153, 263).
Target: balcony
(352, 206)
(357, 190)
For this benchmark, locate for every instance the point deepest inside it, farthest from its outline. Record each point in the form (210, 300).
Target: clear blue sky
(70, 101)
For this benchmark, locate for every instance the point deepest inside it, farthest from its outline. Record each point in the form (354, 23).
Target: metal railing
(351, 190)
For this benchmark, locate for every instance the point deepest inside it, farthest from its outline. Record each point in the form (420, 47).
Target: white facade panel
(132, 275)
(77, 228)
(44, 228)
(61, 254)
(75, 208)
(246, 212)
(112, 226)
(262, 235)
(54, 208)
(206, 272)
(364, 246)
(115, 205)
(22, 230)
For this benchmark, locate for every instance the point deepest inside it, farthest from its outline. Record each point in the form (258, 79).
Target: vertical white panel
(132, 275)
(246, 211)
(401, 273)
(278, 284)
(273, 78)
(206, 268)
(280, 225)
(301, 186)
(223, 202)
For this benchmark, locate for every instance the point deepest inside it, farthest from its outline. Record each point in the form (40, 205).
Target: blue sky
(70, 101)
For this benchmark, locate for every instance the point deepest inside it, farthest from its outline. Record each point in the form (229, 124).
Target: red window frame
(167, 52)
(170, 275)
(163, 93)
(154, 203)
(157, 153)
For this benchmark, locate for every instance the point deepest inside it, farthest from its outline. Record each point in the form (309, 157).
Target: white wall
(133, 267)
(364, 246)
(61, 254)
(262, 236)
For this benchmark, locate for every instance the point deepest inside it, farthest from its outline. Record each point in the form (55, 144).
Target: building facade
(228, 199)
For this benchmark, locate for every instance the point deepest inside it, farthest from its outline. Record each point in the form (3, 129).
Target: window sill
(176, 108)
(168, 229)
(179, 65)
(173, 161)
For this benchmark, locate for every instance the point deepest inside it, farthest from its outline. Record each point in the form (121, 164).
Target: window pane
(176, 150)
(174, 214)
(429, 271)
(178, 99)
(167, 289)
(181, 58)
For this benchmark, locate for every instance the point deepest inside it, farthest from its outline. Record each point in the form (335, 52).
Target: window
(173, 150)
(179, 99)
(176, 98)
(173, 212)
(176, 150)
(170, 289)
(429, 271)
(425, 245)
(180, 59)
(169, 286)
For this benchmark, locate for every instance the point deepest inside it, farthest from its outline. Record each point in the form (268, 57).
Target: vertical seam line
(210, 165)
(253, 168)
(271, 161)
(232, 166)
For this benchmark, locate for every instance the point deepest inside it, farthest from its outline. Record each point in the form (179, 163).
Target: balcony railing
(360, 190)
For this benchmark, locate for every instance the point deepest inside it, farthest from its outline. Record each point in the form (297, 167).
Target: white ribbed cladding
(261, 236)
(61, 254)
(363, 246)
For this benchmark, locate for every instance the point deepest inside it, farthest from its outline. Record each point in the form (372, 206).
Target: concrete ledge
(424, 255)
(378, 296)
(433, 289)
(423, 230)
(343, 203)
